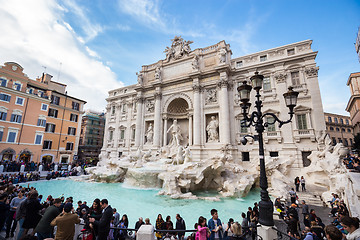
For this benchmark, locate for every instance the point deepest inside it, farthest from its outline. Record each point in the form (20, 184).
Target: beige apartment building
(38, 121)
(339, 128)
(63, 125)
(23, 111)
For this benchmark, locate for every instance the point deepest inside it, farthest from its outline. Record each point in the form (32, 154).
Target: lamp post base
(266, 213)
(267, 233)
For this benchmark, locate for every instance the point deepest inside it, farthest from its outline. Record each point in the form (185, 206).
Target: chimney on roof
(46, 78)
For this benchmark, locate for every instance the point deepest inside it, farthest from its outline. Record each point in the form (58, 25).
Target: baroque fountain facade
(179, 127)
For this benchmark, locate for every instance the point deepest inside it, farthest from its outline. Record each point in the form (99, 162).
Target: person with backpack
(180, 225)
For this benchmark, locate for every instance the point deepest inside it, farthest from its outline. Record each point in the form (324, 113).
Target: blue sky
(102, 44)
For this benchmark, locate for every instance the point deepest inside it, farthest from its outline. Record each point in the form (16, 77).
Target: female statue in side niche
(149, 134)
(213, 135)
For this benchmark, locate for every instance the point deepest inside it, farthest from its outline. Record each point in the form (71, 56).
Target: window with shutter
(73, 117)
(5, 97)
(3, 116)
(69, 146)
(15, 118)
(53, 112)
(3, 82)
(47, 144)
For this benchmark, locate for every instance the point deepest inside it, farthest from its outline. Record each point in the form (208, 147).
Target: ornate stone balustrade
(304, 133)
(273, 54)
(239, 136)
(273, 135)
(210, 48)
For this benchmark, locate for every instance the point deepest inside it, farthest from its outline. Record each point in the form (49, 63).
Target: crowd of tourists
(297, 211)
(352, 163)
(16, 178)
(22, 177)
(24, 214)
(25, 209)
(14, 166)
(10, 177)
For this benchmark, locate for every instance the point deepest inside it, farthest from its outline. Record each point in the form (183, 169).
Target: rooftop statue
(158, 73)
(178, 49)
(140, 78)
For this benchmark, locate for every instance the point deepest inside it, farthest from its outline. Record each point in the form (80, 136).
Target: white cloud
(90, 29)
(145, 11)
(91, 52)
(34, 35)
(148, 13)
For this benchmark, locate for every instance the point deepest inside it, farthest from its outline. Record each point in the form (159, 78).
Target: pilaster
(197, 112)
(224, 115)
(157, 118)
(139, 121)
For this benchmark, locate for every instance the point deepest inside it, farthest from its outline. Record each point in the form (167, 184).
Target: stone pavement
(312, 197)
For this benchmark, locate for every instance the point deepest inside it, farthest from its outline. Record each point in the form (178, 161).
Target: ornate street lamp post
(256, 119)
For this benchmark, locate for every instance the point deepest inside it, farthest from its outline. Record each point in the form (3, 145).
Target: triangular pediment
(301, 108)
(271, 111)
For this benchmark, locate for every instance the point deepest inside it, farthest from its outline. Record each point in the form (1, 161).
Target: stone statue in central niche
(211, 128)
(176, 134)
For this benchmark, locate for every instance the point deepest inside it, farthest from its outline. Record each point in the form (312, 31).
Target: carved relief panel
(211, 96)
(149, 106)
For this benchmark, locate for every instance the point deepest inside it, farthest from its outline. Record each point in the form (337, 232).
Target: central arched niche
(178, 106)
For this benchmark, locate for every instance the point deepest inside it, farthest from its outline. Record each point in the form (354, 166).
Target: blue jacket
(211, 225)
(309, 236)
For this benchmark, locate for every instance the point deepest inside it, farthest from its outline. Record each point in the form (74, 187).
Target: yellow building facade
(38, 121)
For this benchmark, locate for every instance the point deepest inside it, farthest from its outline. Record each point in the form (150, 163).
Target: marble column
(224, 118)
(157, 120)
(314, 91)
(128, 123)
(190, 130)
(116, 136)
(165, 131)
(139, 122)
(197, 113)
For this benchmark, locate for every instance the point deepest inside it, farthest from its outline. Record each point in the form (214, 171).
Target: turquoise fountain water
(145, 202)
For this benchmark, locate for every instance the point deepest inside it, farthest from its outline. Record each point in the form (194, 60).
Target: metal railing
(129, 232)
(282, 235)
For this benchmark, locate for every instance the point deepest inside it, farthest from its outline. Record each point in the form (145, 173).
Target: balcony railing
(272, 135)
(303, 134)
